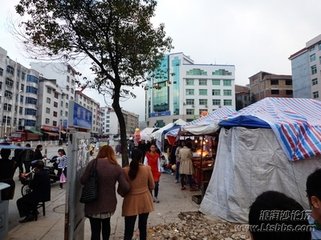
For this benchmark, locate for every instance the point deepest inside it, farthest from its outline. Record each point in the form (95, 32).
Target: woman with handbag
(139, 200)
(103, 207)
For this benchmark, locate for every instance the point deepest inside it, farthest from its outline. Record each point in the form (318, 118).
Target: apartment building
(306, 70)
(93, 106)
(264, 84)
(181, 89)
(242, 96)
(18, 95)
(63, 77)
(110, 125)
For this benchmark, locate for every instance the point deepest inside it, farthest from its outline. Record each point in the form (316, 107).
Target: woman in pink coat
(139, 200)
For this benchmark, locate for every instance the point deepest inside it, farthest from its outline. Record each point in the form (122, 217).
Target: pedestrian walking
(27, 157)
(138, 202)
(62, 165)
(109, 173)
(186, 168)
(152, 159)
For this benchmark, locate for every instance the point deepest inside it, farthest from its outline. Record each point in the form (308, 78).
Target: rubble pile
(195, 226)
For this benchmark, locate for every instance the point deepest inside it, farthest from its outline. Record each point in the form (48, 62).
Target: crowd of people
(31, 166)
(138, 184)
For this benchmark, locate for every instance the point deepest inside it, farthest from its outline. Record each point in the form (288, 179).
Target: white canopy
(145, 134)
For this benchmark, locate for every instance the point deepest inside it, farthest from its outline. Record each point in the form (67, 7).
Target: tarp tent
(159, 134)
(250, 157)
(202, 126)
(145, 134)
(209, 123)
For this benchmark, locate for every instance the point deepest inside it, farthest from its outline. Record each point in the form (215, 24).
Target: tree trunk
(122, 127)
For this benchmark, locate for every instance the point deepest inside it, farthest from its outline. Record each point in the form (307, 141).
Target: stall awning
(51, 134)
(34, 131)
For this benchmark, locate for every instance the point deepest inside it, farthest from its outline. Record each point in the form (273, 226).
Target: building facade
(63, 78)
(242, 96)
(181, 89)
(110, 124)
(18, 96)
(94, 107)
(306, 70)
(265, 84)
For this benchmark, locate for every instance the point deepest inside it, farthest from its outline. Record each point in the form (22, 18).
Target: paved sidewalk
(51, 227)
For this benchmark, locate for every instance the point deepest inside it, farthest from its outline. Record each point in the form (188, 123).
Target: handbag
(63, 178)
(90, 189)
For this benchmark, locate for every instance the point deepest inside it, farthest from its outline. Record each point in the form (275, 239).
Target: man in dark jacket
(40, 186)
(7, 169)
(27, 157)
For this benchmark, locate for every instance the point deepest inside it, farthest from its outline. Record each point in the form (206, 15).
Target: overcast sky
(253, 35)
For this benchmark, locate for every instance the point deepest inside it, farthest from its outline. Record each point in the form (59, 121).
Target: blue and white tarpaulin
(296, 122)
(207, 124)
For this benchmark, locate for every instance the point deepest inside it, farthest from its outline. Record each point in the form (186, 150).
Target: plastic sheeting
(249, 162)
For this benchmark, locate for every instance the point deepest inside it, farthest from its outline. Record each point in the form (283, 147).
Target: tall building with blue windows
(181, 89)
(306, 69)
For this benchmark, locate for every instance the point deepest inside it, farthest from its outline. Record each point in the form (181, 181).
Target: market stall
(203, 134)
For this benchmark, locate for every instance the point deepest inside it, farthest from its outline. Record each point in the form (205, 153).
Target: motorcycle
(51, 168)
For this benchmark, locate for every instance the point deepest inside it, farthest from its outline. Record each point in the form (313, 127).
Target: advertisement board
(79, 117)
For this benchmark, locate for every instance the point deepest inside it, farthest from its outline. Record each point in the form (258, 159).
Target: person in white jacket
(62, 166)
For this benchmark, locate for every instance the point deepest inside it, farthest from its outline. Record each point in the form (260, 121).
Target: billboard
(79, 117)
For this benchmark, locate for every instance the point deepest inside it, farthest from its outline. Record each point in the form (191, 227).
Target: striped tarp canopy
(204, 125)
(296, 123)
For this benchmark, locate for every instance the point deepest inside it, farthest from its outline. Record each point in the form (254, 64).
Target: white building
(93, 106)
(181, 89)
(306, 68)
(51, 109)
(18, 96)
(110, 125)
(65, 79)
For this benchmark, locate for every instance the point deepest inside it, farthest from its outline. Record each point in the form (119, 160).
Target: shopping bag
(63, 178)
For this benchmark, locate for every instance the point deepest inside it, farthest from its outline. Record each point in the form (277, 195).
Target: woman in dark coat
(100, 211)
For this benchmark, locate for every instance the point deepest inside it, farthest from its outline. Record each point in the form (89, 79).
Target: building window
(54, 123)
(55, 104)
(227, 92)
(216, 102)
(227, 102)
(216, 82)
(314, 81)
(47, 110)
(314, 69)
(227, 82)
(202, 82)
(56, 95)
(196, 71)
(274, 82)
(189, 91)
(47, 120)
(202, 92)
(288, 82)
(202, 101)
(222, 72)
(312, 57)
(190, 82)
(55, 114)
(189, 111)
(10, 69)
(216, 92)
(315, 94)
(288, 92)
(189, 101)
(1, 71)
(274, 92)
(48, 90)
(48, 100)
